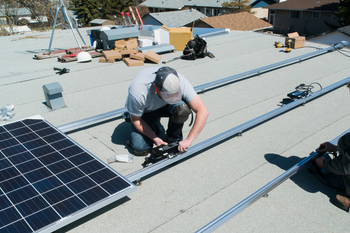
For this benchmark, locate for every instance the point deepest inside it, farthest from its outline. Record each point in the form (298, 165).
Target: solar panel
(48, 181)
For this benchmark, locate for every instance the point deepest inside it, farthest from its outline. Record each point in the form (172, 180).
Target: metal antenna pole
(54, 26)
(66, 18)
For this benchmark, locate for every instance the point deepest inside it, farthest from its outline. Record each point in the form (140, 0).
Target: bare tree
(41, 10)
(9, 8)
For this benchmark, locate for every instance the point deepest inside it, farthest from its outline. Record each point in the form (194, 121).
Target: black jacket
(341, 164)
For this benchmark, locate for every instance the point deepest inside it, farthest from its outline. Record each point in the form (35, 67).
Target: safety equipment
(104, 28)
(181, 114)
(84, 57)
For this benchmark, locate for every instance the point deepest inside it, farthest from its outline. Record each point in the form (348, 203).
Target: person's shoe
(137, 153)
(342, 202)
(141, 153)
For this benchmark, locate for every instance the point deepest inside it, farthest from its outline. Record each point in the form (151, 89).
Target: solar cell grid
(45, 176)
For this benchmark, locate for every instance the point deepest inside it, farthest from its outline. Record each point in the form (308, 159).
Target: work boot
(136, 152)
(342, 202)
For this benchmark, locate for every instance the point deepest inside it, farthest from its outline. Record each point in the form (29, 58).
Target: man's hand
(319, 161)
(327, 147)
(202, 114)
(159, 142)
(183, 145)
(144, 128)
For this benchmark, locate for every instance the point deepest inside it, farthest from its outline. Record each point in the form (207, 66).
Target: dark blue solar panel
(45, 177)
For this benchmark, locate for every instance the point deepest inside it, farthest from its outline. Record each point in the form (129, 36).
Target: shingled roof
(345, 30)
(242, 21)
(179, 4)
(306, 5)
(177, 18)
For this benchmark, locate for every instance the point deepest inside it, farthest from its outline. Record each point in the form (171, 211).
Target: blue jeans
(140, 142)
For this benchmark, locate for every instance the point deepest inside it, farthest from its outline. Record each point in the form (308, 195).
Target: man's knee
(139, 143)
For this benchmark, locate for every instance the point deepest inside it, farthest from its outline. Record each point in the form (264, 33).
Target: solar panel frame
(47, 180)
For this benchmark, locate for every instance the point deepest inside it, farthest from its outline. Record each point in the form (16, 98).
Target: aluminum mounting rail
(261, 192)
(201, 88)
(270, 67)
(136, 176)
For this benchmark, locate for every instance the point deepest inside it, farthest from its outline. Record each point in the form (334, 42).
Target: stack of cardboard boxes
(126, 50)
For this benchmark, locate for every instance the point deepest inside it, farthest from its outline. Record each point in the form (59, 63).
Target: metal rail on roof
(136, 176)
(261, 192)
(201, 88)
(270, 67)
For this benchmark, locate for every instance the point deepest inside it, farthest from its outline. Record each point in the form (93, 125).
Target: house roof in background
(242, 21)
(18, 11)
(99, 21)
(179, 4)
(177, 18)
(311, 5)
(262, 3)
(345, 30)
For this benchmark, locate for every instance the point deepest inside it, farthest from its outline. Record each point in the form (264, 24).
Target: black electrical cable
(307, 88)
(339, 49)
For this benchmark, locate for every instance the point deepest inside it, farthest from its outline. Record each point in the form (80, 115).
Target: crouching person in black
(340, 165)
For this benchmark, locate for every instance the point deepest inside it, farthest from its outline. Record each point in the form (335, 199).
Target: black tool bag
(195, 48)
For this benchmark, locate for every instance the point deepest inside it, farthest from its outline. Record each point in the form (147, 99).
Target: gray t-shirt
(142, 97)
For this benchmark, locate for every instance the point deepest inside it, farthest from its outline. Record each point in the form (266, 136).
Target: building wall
(305, 25)
(261, 13)
(199, 24)
(148, 20)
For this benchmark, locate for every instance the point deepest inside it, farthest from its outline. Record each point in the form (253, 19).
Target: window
(217, 11)
(316, 14)
(295, 14)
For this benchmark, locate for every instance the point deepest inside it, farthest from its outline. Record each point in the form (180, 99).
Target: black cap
(161, 75)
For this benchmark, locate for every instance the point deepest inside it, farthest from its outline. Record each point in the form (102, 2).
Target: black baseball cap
(168, 84)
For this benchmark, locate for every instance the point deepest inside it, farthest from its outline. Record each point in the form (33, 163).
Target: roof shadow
(307, 178)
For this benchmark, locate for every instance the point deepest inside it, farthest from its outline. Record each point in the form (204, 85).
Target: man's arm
(202, 113)
(144, 128)
(324, 147)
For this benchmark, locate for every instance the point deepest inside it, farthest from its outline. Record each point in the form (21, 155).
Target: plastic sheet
(6, 112)
(121, 158)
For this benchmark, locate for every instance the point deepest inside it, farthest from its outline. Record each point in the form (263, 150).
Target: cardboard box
(165, 28)
(179, 37)
(128, 52)
(104, 60)
(120, 43)
(132, 62)
(131, 43)
(138, 56)
(296, 40)
(111, 54)
(152, 56)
